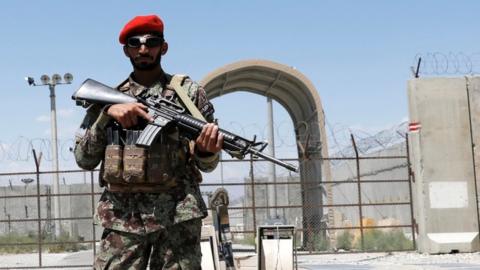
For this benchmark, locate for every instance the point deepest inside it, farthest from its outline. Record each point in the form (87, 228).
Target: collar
(136, 89)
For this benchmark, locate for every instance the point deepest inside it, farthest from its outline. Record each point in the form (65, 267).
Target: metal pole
(92, 189)
(357, 159)
(56, 186)
(25, 201)
(410, 179)
(221, 167)
(252, 180)
(271, 151)
(5, 208)
(39, 215)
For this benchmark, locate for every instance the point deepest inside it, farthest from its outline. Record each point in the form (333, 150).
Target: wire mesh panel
(28, 220)
(364, 203)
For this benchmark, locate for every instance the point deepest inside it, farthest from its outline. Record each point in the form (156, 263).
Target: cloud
(65, 113)
(4, 150)
(4, 145)
(62, 131)
(42, 118)
(61, 114)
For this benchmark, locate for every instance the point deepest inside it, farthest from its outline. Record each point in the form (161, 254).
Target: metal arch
(296, 93)
(294, 85)
(224, 84)
(274, 82)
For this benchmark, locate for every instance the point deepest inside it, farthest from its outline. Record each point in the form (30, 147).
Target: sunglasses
(149, 41)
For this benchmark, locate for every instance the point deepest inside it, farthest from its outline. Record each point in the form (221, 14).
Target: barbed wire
(340, 144)
(21, 149)
(338, 140)
(451, 63)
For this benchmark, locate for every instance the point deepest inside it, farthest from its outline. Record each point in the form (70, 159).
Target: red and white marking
(414, 127)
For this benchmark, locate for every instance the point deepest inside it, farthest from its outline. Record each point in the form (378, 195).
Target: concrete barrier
(443, 164)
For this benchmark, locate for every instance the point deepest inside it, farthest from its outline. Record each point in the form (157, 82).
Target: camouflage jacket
(145, 212)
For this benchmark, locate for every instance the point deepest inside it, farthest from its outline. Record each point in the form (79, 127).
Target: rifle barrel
(274, 160)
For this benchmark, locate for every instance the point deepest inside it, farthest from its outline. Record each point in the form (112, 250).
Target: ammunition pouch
(130, 168)
(161, 169)
(134, 164)
(113, 164)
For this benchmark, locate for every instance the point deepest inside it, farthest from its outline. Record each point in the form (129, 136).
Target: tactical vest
(129, 168)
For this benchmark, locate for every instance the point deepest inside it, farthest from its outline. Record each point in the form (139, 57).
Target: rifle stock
(92, 91)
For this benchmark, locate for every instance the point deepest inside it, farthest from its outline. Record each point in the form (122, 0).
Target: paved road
(360, 261)
(390, 267)
(390, 261)
(356, 261)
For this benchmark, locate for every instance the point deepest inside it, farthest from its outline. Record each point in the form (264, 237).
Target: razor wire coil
(451, 63)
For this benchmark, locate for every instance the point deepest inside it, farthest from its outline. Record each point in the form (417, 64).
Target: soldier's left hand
(209, 140)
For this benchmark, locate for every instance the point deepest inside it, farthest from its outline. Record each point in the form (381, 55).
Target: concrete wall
(26, 208)
(347, 193)
(287, 195)
(443, 162)
(372, 169)
(473, 88)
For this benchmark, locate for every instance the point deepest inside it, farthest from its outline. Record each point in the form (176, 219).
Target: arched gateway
(298, 96)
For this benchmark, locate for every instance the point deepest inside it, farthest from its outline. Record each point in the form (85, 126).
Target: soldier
(151, 208)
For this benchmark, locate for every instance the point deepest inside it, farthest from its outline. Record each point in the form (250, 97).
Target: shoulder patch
(191, 88)
(93, 111)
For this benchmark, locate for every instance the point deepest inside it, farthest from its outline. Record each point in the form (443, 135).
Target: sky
(356, 53)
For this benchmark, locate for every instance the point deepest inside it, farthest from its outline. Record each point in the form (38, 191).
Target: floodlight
(56, 78)
(68, 78)
(27, 181)
(45, 79)
(30, 80)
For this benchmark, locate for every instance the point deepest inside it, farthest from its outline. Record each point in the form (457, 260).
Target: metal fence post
(93, 213)
(357, 159)
(252, 179)
(37, 173)
(410, 191)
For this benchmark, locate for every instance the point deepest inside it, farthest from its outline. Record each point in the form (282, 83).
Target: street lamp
(56, 80)
(26, 181)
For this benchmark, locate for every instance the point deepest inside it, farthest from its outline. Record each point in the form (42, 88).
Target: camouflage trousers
(174, 248)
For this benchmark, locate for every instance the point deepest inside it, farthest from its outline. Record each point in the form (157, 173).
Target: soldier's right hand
(127, 114)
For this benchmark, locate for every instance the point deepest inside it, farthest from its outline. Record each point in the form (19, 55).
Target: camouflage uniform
(164, 226)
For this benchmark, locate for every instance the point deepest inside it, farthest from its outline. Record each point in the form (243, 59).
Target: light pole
(273, 214)
(26, 181)
(56, 80)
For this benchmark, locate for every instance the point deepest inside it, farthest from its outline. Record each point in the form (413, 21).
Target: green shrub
(345, 240)
(376, 240)
(18, 243)
(248, 239)
(16, 240)
(65, 247)
(320, 243)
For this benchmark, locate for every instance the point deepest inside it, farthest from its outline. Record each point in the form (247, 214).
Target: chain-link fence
(363, 204)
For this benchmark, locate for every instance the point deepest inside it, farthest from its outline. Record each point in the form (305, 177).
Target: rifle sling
(176, 83)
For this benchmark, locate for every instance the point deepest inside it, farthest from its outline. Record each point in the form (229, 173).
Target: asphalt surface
(395, 261)
(353, 261)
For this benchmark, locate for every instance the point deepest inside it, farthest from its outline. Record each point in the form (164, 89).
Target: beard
(144, 65)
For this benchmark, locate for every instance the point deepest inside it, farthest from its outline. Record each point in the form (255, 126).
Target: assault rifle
(166, 112)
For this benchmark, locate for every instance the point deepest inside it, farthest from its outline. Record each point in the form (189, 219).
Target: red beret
(141, 25)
